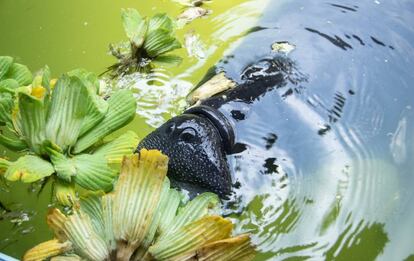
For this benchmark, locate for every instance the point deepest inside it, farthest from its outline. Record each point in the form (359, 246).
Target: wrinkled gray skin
(195, 151)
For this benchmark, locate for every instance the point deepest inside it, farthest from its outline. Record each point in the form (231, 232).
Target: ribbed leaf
(93, 172)
(134, 25)
(56, 221)
(160, 21)
(9, 85)
(167, 60)
(115, 150)
(159, 42)
(70, 257)
(97, 106)
(191, 237)
(67, 111)
(237, 248)
(91, 206)
(13, 143)
(6, 106)
(121, 111)
(169, 212)
(199, 207)
(65, 192)
(28, 169)
(32, 121)
(107, 207)
(41, 84)
(46, 250)
(20, 73)
(137, 194)
(5, 63)
(162, 204)
(86, 241)
(4, 165)
(65, 167)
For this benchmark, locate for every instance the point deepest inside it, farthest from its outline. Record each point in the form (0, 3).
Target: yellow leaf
(46, 250)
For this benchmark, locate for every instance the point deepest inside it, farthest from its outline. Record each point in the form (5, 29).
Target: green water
(70, 34)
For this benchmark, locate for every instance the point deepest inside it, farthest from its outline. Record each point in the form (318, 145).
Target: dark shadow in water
(345, 8)
(336, 40)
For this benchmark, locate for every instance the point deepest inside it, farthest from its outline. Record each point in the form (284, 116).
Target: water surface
(328, 175)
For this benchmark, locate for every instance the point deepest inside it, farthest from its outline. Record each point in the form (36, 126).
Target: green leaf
(67, 111)
(86, 241)
(65, 192)
(107, 207)
(199, 207)
(6, 106)
(13, 143)
(167, 60)
(9, 85)
(32, 121)
(97, 106)
(134, 25)
(121, 111)
(91, 205)
(191, 237)
(88, 78)
(42, 79)
(65, 167)
(160, 21)
(93, 172)
(20, 73)
(115, 150)
(170, 211)
(29, 169)
(159, 42)
(5, 63)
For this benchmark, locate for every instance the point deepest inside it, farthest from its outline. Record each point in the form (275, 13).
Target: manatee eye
(187, 135)
(170, 128)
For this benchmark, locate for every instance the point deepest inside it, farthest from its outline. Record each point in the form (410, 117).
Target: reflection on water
(323, 167)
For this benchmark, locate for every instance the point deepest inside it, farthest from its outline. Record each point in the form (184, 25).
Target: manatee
(308, 70)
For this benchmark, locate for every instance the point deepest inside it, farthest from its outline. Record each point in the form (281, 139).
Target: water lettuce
(150, 41)
(59, 126)
(142, 219)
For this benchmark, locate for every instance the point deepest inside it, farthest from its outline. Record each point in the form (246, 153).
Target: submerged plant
(60, 129)
(150, 39)
(143, 219)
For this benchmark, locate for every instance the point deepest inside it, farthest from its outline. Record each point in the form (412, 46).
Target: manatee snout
(196, 153)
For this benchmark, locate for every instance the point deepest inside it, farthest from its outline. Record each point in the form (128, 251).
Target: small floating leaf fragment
(215, 85)
(192, 2)
(283, 47)
(194, 45)
(191, 14)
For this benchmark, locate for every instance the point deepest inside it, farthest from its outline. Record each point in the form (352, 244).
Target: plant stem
(124, 251)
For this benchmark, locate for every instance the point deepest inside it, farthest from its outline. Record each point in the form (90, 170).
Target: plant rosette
(143, 219)
(150, 41)
(59, 127)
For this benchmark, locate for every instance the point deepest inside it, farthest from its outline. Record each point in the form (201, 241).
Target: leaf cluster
(143, 219)
(150, 41)
(59, 126)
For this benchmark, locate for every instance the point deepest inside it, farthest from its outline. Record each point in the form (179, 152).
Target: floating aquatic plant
(60, 128)
(143, 219)
(150, 39)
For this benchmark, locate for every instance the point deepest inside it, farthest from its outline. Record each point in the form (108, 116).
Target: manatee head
(196, 152)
